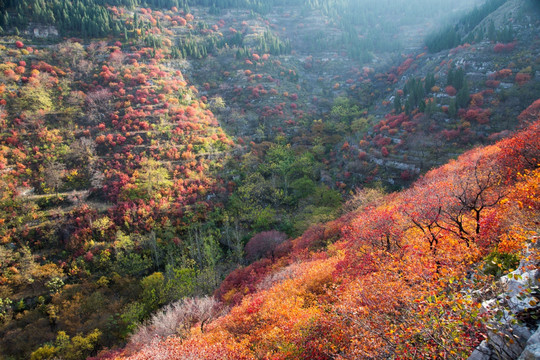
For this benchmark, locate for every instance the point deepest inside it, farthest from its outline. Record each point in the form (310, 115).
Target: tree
(379, 227)
(423, 206)
(69, 53)
(53, 175)
(98, 105)
(531, 114)
(33, 98)
(478, 188)
(264, 244)
(82, 152)
(149, 181)
(177, 319)
(153, 291)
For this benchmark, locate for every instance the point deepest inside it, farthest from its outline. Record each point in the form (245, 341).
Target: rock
(512, 341)
(42, 31)
(517, 289)
(482, 352)
(532, 350)
(508, 344)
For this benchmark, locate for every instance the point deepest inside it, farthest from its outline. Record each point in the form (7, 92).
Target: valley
(225, 180)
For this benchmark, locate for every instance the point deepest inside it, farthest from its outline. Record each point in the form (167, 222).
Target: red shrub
(504, 73)
(531, 114)
(264, 244)
(450, 90)
(499, 47)
(522, 78)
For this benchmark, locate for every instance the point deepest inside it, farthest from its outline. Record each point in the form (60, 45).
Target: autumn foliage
(389, 279)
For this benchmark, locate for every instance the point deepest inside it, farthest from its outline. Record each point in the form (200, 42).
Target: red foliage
(500, 48)
(522, 78)
(242, 281)
(404, 66)
(450, 90)
(502, 74)
(264, 244)
(531, 114)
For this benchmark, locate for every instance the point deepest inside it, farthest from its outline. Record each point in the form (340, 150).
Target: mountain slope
(403, 276)
(140, 168)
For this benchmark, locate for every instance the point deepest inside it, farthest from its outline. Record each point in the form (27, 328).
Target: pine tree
(492, 34)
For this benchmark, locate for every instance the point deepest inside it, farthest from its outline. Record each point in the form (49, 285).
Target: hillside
(405, 275)
(156, 152)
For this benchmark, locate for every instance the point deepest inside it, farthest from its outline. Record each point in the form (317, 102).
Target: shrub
(450, 90)
(497, 263)
(177, 319)
(264, 244)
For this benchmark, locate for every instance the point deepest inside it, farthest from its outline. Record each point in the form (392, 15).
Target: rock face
(42, 31)
(513, 339)
(482, 352)
(532, 350)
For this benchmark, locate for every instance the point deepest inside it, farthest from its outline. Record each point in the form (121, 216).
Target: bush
(498, 264)
(264, 244)
(177, 319)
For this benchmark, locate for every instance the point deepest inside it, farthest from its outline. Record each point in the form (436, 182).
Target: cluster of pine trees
(456, 79)
(87, 18)
(460, 33)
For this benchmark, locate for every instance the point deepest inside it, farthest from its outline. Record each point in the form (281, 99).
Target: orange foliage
(385, 281)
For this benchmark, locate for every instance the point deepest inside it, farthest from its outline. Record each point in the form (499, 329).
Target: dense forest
(231, 179)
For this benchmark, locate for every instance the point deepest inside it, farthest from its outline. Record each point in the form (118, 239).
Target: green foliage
(415, 91)
(78, 347)
(179, 283)
(44, 352)
(264, 219)
(456, 78)
(131, 264)
(303, 187)
(32, 98)
(132, 316)
(151, 180)
(88, 19)
(463, 97)
(54, 285)
(5, 308)
(344, 109)
(498, 264)
(153, 293)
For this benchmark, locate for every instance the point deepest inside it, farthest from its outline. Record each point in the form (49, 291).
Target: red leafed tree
(450, 90)
(476, 188)
(379, 227)
(522, 78)
(264, 244)
(424, 207)
(531, 114)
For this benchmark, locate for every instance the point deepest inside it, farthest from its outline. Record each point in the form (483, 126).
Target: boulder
(532, 350)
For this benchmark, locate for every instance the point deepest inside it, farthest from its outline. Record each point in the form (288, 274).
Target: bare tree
(363, 198)
(53, 174)
(82, 152)
(69, 53)
(178, 318)
(98, 105)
